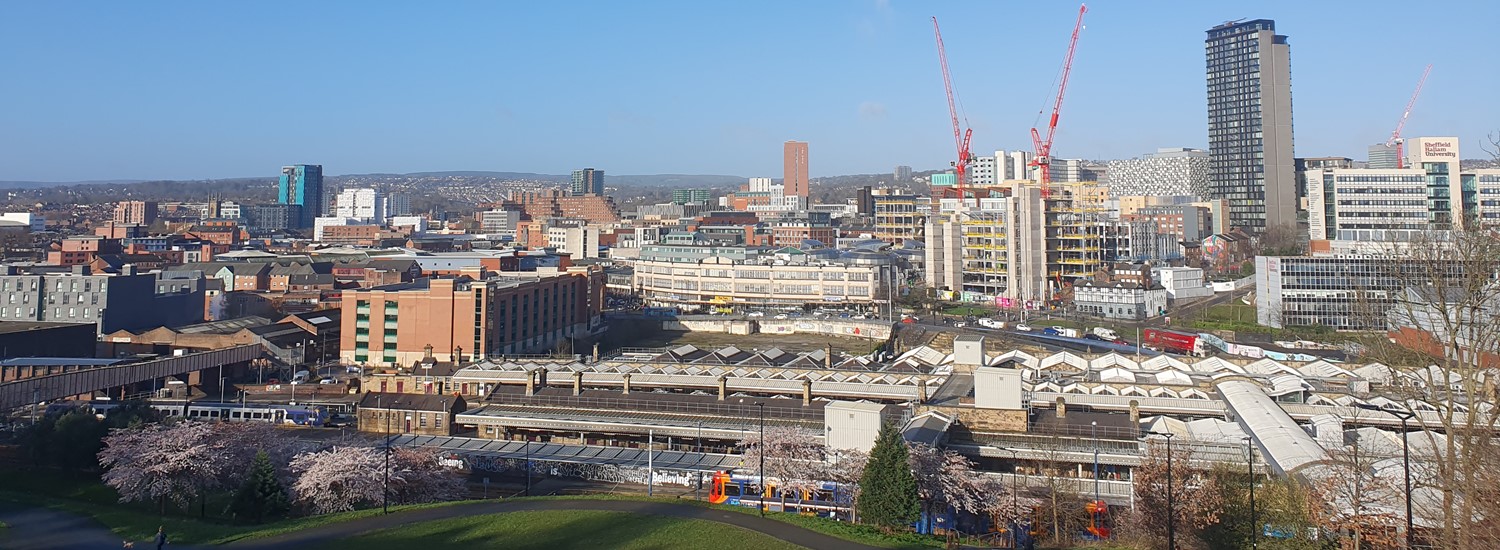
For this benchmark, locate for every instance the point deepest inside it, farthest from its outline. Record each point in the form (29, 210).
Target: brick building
(407, 413)
(555, 203)
(510, 313)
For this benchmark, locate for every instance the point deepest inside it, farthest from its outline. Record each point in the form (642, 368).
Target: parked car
(328, 380)
(1094, 337)
(1121, 341)
(781, 317)
(756, 314)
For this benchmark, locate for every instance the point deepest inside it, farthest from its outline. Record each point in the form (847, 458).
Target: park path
(46, 529)
(310, 538)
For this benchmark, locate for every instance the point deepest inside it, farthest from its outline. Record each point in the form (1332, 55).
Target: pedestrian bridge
(27, 391)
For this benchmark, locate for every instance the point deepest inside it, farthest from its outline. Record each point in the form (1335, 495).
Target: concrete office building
(1433, 193)
(112, 302)
(1340, 291)
(588, 181)
(1169, 172)
(267, 218)
(794, 169)
(1382, 156)
(499, 221)
(575, 238)
(691, 196)
(902, 173)
(686, 269)
(367, 205)
(302, 185)
(1250, 123)
(461, 319)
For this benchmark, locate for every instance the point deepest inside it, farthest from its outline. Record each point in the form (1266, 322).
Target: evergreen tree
(261, 496)
(888, 491)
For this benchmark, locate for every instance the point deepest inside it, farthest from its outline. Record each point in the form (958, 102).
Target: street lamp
(1015, 491)
(385, 487)
(762, 500)
(1094, 427)
(1171, 499)
(1250, 469)
(1405, 461)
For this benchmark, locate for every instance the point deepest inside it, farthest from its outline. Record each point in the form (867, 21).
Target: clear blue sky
(158, 89)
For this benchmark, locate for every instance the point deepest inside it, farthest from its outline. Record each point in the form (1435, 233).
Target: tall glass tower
(302, 185)
(1250, 124)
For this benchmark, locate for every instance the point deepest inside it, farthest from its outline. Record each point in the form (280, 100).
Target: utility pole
(650, 468)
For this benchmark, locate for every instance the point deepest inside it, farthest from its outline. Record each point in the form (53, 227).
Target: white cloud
(872, 110)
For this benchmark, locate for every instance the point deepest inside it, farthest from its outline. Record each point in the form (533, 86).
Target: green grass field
(562, 530)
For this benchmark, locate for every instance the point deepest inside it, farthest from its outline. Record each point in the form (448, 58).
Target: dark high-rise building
(794, 167)
(588, 181)
(1250, 123)
(302, 185)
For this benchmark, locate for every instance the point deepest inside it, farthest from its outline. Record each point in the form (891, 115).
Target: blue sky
(158, 89)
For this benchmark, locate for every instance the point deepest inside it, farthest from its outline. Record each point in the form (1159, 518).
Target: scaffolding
(1077, 229)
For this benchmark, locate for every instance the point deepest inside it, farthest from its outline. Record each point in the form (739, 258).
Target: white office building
(1377, 204)
(366, 205)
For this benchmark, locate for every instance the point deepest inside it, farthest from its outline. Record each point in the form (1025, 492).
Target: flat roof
(7, 327)
(60, 362)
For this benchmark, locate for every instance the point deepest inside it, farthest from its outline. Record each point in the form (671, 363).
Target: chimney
(578, 383)
(1062, 408)
(1135, 412)
(127, 269)
(723, 387)
(806, 392)
(427, 353)
(626, 376)
(596, 353)
(531, 382)
(828, 357)
(921, 390)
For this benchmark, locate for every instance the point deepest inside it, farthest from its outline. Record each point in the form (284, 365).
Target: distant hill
(39, 184)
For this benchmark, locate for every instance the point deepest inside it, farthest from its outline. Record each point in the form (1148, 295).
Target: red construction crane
(1043, 148)
(960, 136)
(1396, 135)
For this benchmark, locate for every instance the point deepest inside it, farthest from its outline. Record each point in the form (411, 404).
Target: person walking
(161, 537)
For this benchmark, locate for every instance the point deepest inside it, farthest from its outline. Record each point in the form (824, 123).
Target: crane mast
(1400, 125)
(1043, 148)
(960, 136)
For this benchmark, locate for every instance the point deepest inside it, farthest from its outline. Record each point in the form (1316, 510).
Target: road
(46, 529)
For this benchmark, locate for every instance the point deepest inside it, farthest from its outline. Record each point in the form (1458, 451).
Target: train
(828, 499)
(299, 415)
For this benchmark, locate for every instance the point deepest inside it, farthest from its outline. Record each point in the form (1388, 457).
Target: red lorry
(1173, 341)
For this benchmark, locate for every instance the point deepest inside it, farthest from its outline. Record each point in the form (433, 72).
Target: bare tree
(1195, 500)
(1444, 304)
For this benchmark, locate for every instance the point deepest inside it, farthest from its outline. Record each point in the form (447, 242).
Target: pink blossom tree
(947, 479)
(159, 463)
(794, 458)
(418, 475)
(338, 479)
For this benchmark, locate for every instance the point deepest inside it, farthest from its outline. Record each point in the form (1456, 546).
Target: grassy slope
(564, 530)
(84, 495)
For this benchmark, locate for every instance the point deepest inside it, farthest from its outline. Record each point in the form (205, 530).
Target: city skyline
(232, 92)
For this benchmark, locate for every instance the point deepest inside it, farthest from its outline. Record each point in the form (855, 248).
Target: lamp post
(528, 465)
(1250, 469)
(1171, 499)
(1094, 426)
(385, 487)
(762, 500)
(1405, 461)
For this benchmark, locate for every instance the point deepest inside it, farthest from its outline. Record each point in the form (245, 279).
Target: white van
(301, 377)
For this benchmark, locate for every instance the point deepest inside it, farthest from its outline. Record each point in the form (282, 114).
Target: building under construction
(1011, 243)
